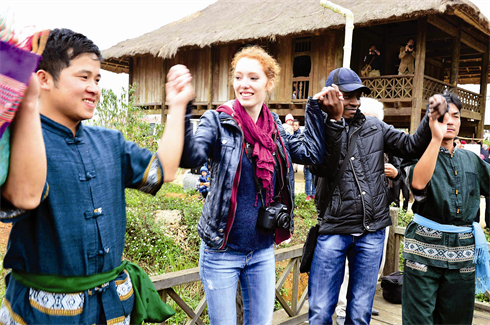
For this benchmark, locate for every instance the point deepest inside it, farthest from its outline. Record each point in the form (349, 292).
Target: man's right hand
(33, 91)
(329, 100)
(437, 106)
(179, 89)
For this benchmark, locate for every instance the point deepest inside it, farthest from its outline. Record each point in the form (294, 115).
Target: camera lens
(283, 221)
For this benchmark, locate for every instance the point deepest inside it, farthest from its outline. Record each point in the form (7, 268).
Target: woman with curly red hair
(251, 198)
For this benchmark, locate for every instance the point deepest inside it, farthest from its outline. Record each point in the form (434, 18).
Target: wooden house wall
(282, 51)
(222, 88)
(198, 62)
(148, 75)
(327, 55)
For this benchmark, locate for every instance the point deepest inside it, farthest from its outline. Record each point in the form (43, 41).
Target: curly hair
(268, 63)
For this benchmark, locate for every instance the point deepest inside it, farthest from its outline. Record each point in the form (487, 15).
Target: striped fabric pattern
(11, 93)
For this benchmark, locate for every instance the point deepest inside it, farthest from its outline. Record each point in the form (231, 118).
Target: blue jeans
(220, 271)
(327, 273)
(309, 184)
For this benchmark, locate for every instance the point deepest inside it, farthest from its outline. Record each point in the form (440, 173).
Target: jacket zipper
(358, 185)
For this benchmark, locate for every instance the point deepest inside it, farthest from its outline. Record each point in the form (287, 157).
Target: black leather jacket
(219, 137)
(360, 201)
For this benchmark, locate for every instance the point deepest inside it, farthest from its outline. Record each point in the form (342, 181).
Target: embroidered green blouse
(451, 197)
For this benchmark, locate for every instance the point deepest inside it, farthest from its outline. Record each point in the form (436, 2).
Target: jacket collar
(59, 129)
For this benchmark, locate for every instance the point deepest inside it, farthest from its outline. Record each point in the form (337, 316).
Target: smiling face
(351, 102)
(250, 83)
(453, 122)
(74, 96)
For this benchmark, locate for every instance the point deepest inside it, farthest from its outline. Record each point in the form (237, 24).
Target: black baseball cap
(347, 81)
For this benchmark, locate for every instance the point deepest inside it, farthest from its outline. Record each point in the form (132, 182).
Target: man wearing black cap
(354, 222)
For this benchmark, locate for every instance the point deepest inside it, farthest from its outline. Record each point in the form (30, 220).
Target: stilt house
(451, 38)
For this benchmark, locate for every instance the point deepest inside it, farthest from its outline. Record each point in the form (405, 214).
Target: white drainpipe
(349, 28)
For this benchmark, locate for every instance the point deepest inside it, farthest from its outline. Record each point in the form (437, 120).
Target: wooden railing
(390, 88)
(301, 86)
(471, 101)
(292, 313)
(396, 88)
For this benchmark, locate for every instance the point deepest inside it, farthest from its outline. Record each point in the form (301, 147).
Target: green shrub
(120, 113)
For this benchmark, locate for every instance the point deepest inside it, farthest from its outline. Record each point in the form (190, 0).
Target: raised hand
(437, 106)
(179, 89)
(437, 128)
(330, 101)
(390, 170)
(32, 93)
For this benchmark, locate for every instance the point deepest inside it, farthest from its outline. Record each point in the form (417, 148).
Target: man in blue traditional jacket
(66, 254)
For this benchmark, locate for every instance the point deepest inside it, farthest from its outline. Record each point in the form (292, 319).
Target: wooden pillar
(210, 78)
(164, 93)
(455, 55)
(131, 63)
(418, 79)
(483, 92)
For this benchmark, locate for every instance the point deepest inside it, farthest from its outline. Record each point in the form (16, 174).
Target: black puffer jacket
(360, 201)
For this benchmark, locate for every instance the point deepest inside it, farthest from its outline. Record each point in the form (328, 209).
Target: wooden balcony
(397, 94)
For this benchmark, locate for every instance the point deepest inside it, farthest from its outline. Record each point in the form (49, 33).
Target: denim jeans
(364, 254)
(220, 271)
(309, 183)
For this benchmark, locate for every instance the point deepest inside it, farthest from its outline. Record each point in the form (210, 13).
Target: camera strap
(249, 150)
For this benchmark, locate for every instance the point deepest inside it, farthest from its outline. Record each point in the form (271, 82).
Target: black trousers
(394, 193)
(432, 295)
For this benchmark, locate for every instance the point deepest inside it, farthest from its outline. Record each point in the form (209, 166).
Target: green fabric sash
(148, 306)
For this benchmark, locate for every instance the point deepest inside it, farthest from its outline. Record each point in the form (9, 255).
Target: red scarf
(260, 136)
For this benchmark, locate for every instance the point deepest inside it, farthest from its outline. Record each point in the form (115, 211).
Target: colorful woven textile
(4, 156)
(15, 71)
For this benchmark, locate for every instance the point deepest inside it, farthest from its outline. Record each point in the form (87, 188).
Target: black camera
(410, 46)
(274, 216)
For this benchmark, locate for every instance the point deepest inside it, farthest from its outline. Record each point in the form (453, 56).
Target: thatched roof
(230, 21)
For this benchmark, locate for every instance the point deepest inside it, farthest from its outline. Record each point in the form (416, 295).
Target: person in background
(204, 182)
(457, 142)
(445, 250)
(297, 131)
(407, 57)
(484, 150)
(373, 59)
(288, 124)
